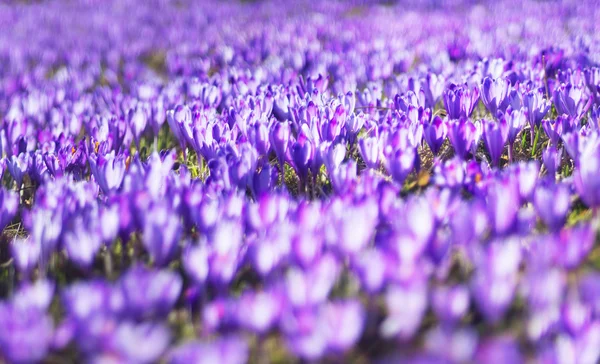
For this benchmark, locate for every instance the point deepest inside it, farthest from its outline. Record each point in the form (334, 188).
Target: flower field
(296, 182)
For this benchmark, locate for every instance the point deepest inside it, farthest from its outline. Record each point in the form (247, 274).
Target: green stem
(537, 136)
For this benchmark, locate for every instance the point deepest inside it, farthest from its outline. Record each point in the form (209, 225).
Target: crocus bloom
(195, 262)
(493, 295)
(369, 150)
(576, 315)
(406, 306)
(280, 139)
(526, 174)
(18, 166)
(552, 158)
(312, 286)
(149, 293)
(302, 153)
(138, 342)
(552, 203)
(344, 324)
(26, 253)
(450, 303)
(25, 334)
(177, 118)
(460, 101)
(343, 176)
(400, 163)
(454, 345)
(586, 175)
(536, 107)
(574, 245)
(495, 94)
(495, 134)
(515, 119)
(435, 133)
(225, 350)
(555, 129)
(258, 312)
(138, 119)
(9, 204)
(82, 243)
(370, 270)
(571, 100)
(503, 205)
(497, 350)
(161, 233)
(108, 170)
(462, 134)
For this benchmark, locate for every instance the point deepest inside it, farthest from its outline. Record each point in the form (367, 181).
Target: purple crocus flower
(369, 150)
(302, 153)
(452, 344)
(25, 333)
(264, 179)
(400, 163)
(571, 100)
(259, 311)
(435, 133)
(495, 280)
(462, 134)
(37, 295)
(515, 120)
(137, 119)
(574, 244)
(543, 285)
(575, 315)
(460, 101)
(137, 342)
(82, 300)
(592, 80)
(343, 176)
(495, 136)
(259, 135)
(555, 129)
(177, 118)
(195, 262)
(586, 176)
(497, 350)
(161, 233)
(82, 243)
(371, 272)
(526, 175)
(280, 139)
(311, 287)
(406, 307)
(493, 295)
(9, 205)
(589, 290)
(344, 324)
(225, 350)
(495, 94)
(503, 205)
(26, 253)
(18, 166)
(149, 293)
(305, 330)
(356, 226)
(450, 304)
(552, 158)
(307, 247)
(552, 202)
(536, 107)
(108, 170)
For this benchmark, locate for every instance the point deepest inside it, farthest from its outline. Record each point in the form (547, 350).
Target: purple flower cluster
(209, 182)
